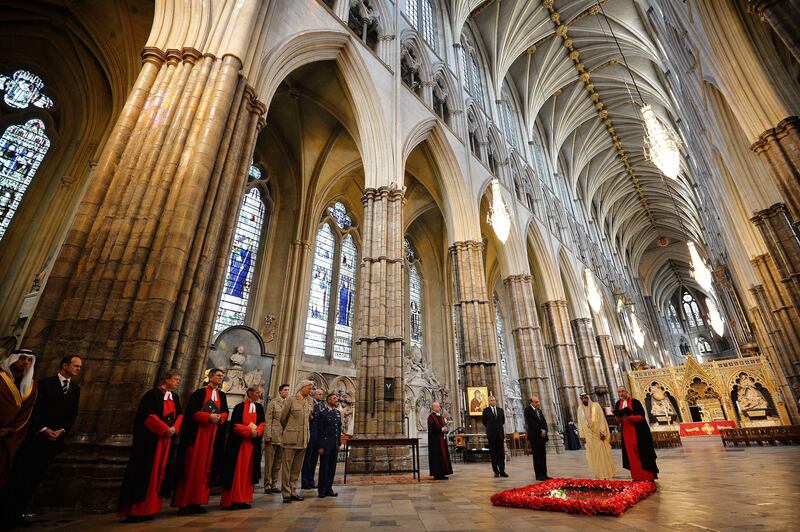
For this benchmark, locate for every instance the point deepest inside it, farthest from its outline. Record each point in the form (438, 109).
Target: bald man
(537, 436)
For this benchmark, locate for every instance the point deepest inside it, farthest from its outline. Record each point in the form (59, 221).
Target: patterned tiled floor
(701, 487)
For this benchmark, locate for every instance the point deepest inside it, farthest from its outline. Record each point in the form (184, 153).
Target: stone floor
(702, 486)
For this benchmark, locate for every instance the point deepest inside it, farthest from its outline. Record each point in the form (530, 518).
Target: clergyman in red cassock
(201, 445)
(150, 469)
(241, 467)
(638, 451)
(438, 454)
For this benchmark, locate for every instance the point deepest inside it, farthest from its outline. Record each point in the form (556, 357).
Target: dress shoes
(298, 498)
(287, 500)
(504, 475)
(321, 495)
(331, 493)
(276, 490)
(496, 475)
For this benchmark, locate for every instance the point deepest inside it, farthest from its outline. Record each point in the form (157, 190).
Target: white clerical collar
(167, 395)
(214, 394)
(252, 407)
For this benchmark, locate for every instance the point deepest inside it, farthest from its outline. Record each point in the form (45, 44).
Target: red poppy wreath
(577, 496)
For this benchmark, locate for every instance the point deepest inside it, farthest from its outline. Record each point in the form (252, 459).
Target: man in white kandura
(593, 430)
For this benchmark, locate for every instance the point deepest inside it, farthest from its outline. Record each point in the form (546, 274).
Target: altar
(705, 428)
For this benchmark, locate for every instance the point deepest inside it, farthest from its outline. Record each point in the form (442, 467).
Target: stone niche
(239, 350)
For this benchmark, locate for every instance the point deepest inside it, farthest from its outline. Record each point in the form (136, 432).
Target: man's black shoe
(298, 498)
(287, 500)
(331, 493)
(504, 475)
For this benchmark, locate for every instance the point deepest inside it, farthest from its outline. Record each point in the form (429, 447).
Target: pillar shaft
(783, 245)
(605, 346)
(784, 17)
(528, 340)
(380, 321)
(564, 355)
(588, 355)
(136, 283)
(779, 316)
(733, 311)
(779, 148)
(475, 322)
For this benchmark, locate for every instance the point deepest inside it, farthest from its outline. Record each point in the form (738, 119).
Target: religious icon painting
(477, 399)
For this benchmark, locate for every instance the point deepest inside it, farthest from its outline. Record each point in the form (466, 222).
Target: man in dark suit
(52, 418)
(329, 435)
(537, 436)
(493, 419)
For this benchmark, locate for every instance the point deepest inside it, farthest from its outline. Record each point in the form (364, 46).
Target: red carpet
(577, 496)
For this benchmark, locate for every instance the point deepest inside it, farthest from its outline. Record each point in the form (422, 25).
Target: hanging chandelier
(662, 145)
(700, 270)
(593, 295)
(714, 317)
(499, 217)
(636, 330)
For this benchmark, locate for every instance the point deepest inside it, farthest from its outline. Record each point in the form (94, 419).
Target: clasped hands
(52, 435)
(253, 430)
(214, 418)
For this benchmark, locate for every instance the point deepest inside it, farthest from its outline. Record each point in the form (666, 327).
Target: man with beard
(201, 445)
(594, 433)
(155, 430)
(242, 464)
(638, 452)
(17, 397)
(438, 454)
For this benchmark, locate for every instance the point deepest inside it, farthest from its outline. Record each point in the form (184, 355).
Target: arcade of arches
(429, 194)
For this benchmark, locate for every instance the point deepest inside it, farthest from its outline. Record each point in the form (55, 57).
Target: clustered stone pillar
(784, 17)
(136, 283)
(732, 310)
(783, 245)
(605, 346)
(379, 411)
(588, 356)
(780, 318)
(528, 341)
(474, 320)
(562, 347)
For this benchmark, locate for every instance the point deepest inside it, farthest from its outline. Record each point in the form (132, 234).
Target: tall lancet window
(692, 311)
(22, 148)
(232, 308)
(414, 297)
(501, 337)
(332, 294)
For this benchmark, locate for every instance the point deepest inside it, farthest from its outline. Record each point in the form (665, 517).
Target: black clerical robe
(241, 465)
(438, 454)
(638, 451)
(150, 472)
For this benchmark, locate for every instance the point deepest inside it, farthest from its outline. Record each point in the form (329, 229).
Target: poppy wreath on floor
(577, 496)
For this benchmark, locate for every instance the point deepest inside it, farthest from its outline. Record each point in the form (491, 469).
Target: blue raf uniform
(310, 459)
(329, 434)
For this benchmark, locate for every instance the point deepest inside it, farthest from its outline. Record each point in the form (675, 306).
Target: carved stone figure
(423, 411)
(235, 373)
(750, 398)
(661, 407)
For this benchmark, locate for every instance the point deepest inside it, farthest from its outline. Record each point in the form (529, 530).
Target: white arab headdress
(27, 379)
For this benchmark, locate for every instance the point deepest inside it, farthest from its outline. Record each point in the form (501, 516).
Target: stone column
(733, 312)
(779, 316)
(380, 317)
(779, 148)
(784, 17)
(135, 287)
(475, 322)
(588, 356)
(528, 340)
(605, 346)
(783, 245)
(564, 355)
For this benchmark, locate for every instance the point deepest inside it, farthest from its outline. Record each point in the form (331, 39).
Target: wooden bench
(760, 435)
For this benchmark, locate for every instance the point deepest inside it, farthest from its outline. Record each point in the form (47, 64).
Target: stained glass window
(343, 333)
(254, 173)
(339, 213)
(674, 322)
(321, 278)
(332, 298)
(22, 148)
(703, 345)
(477, 90)
(232, 308)
(692, 311)
(457, 341)
(508, 120)
(23, 89)
(415, 305)
(501, 336)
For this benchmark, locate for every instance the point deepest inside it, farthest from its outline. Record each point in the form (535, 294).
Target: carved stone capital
(775, 134)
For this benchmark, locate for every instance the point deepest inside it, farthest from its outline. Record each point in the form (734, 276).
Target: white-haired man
(296, 414)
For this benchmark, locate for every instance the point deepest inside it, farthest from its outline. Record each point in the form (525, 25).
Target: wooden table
(387, 443)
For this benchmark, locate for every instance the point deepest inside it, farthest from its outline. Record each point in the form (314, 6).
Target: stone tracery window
(22, 89)
(501, 338)
(691, 310)
(232, 309)
(470, 66)
(410, 64)
(674, 322)
(703, 345)
(22, 149)
(440, 101)
(508, 116)
(332, 294)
